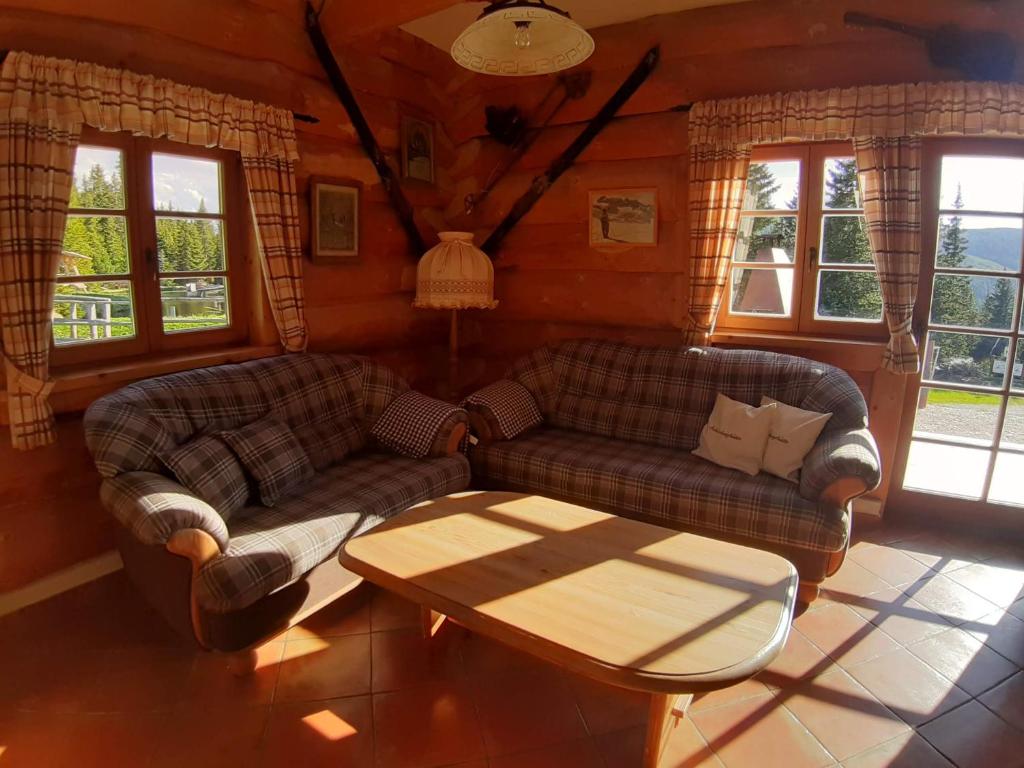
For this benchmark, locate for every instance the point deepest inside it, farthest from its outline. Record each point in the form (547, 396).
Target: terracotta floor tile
(908, 686)
(890, 564)
(748, 689)
(1017, 609)
(524, 712)
(403, 657)
(580, 753)
(605, 707)
(761, 732)
(842, 714)
(1002, 586)
(853, 580)
(1003, 633)
(486, 658)
(906, 751)
(348, 616)
(212, 685)
(972, 737)
(121, 739)
(41, 740)
(337, 732)
(964, 659)
(901, 617)
(937, 553)
(52, 681)
(389, 611)
(800, 659)
(198, 740)
(846, 637)
(325, 668)
(430, 725)
(953, 602)
(1007, 700)
(686, 748)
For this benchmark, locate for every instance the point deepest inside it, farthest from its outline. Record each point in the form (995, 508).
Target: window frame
(806, 262)
(145, 276)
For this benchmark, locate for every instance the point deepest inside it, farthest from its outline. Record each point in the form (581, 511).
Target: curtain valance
(883, 111)
(67, 94)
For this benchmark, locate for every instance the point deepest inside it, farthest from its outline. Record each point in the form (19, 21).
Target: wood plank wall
(552, 285)
(254, 50)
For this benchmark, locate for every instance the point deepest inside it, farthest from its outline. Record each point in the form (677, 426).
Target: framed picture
(624, 217)
(417, 150)
(335, 226)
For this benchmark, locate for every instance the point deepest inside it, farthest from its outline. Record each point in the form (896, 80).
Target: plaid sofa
(611, 426)
(264, 550)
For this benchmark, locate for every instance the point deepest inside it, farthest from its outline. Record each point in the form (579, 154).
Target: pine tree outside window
(802, 261)
(152, 248)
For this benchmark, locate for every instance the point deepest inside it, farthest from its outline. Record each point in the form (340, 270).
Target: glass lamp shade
(522, 39)
(455, 274)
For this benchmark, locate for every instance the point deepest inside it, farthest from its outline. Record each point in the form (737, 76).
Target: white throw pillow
(793, 434)
(736, 434)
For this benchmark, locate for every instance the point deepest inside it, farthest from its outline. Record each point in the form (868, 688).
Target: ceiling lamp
(517, 38)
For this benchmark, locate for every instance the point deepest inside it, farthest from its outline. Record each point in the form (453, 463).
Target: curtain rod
(300, 116)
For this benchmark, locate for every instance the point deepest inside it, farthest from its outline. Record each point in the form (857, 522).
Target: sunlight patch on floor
(329, 725)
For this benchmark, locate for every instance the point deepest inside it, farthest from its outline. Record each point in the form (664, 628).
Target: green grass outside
(62, 332)
(945, 397)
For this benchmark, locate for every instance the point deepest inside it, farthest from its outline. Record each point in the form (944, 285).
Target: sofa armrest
(154, 508)
(418, 426)
(844, 455)
(502, 410)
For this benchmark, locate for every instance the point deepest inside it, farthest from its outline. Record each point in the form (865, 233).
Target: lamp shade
(521, 38)
(455, 274)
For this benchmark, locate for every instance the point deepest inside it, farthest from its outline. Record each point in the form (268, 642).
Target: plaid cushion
(685, 492)
(153, 507)
(208, 468)
(414, 425)
(328, 442)
(270, 453)
(381, 386)
(271, 548)
(664, 396)
(507, 406)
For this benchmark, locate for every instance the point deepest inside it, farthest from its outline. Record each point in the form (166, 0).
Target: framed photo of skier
(334, 207)
(624, 217)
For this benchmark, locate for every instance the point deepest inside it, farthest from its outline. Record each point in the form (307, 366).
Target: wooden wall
(551, 284)
(49, 512)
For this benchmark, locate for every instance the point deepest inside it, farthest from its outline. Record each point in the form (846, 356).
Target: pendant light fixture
(517, 38)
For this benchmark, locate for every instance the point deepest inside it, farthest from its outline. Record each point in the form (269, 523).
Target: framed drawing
(335, 226)
(417, 150)
(624, 217)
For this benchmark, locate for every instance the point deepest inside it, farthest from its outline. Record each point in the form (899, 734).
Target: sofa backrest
(130, 429)
(664, 396)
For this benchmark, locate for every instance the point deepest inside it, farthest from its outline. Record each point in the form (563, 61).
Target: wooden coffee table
(624, 602)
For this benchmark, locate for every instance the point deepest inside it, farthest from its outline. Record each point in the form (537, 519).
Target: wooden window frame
(806, 264)
(140, 213)
(912, 502)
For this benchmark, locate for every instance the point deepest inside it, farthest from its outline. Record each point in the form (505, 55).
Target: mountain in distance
(992, 249)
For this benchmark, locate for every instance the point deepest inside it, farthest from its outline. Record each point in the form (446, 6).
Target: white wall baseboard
(61, 581)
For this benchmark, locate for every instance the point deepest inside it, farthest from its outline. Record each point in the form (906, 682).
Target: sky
(179, 181)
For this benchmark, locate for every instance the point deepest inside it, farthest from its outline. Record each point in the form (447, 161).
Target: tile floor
(912, 657)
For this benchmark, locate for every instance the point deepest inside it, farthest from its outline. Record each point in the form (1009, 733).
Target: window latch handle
(812, 254)
(150, 256)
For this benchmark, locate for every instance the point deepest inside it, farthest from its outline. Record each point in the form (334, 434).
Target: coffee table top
(614, 599)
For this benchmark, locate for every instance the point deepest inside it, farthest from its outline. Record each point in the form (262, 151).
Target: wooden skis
(363, 130)
(542, 183)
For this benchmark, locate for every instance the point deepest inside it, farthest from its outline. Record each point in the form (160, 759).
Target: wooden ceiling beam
(345, 20)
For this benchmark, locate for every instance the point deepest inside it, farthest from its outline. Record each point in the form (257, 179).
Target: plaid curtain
(275, 210)
(37, 156)
(718, 178)
(890, 174)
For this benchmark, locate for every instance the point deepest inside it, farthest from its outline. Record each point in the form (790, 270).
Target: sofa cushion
(272, 455)
(208, 468)
(660, 483)
(508, 408)
(412, 423)
(271, 548)
(327, 443)
(794, 433)
(736, 434)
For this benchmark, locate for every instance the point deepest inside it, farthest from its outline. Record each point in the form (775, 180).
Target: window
(802, 261)
(150, 253)
(968, 433)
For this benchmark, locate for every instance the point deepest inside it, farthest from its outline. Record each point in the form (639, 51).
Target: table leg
(430, 621)
(666, 709)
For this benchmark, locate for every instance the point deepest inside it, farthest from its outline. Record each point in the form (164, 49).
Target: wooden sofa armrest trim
(200, 548)
(844, 490)
(481, 427)
(454, 445)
